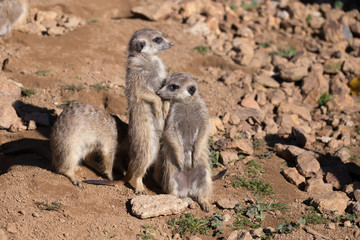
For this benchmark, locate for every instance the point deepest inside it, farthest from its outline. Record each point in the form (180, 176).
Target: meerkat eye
(157, 40)
(173, 87)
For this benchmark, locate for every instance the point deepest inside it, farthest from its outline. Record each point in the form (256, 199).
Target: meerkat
(144, 75)
(83, 131)
(13, 14)
(184, 169)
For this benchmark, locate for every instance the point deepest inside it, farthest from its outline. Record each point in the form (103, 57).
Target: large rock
(293, 176)
(145, 206)
(293, 74)
(155, 11)
(243, 146)
(242, 114)
(239, 235)
(288, 152)
(228, 156)
(8, 116)
(317, 186)
(330, 202)
(266, 81)
(314, 85)
(301, 111)
(308, 165)
(287, 122)
(332, 31)
(227, 203)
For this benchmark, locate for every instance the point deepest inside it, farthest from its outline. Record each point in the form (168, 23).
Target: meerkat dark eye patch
(139, 46)
(173, 87)
(157, 40)
(192, 90)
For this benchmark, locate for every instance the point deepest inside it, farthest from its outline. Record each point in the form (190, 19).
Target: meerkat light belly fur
(184, 169)
(144, 75)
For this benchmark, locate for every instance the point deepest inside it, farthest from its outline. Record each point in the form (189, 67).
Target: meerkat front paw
(157, 107)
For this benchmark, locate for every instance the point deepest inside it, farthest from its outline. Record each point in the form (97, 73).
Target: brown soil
(91, 54)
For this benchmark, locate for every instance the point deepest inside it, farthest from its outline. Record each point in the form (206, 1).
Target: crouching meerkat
(83, 131)
(13, 14)
(184, 169)
(144, 75)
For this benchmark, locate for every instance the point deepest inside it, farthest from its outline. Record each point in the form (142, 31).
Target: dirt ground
(91, 54)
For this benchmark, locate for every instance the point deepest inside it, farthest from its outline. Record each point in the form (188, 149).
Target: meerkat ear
(139, 45)
(191, 90)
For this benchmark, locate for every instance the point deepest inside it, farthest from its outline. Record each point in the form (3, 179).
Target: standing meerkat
(82, 132)
(13, 14)
(184, 168)
(144, 75)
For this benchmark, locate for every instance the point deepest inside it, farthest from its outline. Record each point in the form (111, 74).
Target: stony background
(263, 68)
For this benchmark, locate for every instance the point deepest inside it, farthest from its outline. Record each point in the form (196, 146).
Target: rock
(8, 116)
(302, 138)
(352, 65)
(194, 238)
(266, 81)
(314, 85)
(330, 226)
(244, 146)
(219, 125)
(288, 152)
(338, 176)
(355, 29)
(343, 154)
(332, 31)
(332, 66)
(228, 156)
(357, 194)
(347, 32)
(3, 235)
(227, 203)
(286, 123)
(234, 77)
(243, 114)
(301, 111)
(293, 176)
(155, 11)
(249, 102)
(245, 52)
(10, 88)
(145, 206)
(17, 127)
(317, 186)
(199, 28)
(31, 125)
(239, 235)
(293, 74)
(356, 208)
(213, 129)
(307, 165)
(45, 15)
(38, 117)
(338, 85)
(276, 96)
(11, 228)
(330, 202)
(73, 22)
(343, 103)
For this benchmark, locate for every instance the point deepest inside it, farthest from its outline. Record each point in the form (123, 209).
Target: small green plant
(108, 234)
(70, 103)
(213, 155)
(247, 6)
(233, 7)
(190, 225)
(45, 205)
(78, 77)
(338, 4)
(265, 44)
(202, 49)
(94, 20)
(258, 143)
(314, 218)
(308, 18)
(27, 92)
(99, 87)
(267, 154)
(147, 232)
(257, 186)
(254, 169)
(74, 88)
(324, 98)
(43, 72)
(287, 52)
(286, 227)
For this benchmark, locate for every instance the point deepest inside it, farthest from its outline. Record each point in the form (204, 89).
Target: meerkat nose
(171, 44)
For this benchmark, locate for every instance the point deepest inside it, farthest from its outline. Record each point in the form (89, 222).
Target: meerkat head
(148, 41)
(178, 87)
